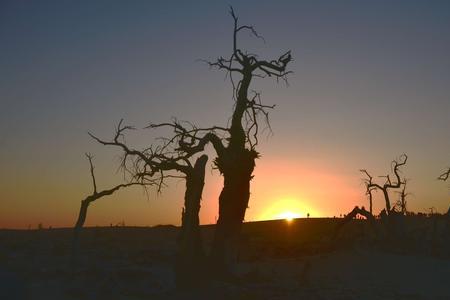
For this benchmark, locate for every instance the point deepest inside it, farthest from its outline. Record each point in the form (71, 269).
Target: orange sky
(279, 186)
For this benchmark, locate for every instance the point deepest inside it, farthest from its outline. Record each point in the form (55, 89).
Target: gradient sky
(371, 81)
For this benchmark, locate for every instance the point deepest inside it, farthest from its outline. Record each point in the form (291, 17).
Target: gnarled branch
(444, 176)
(389, 184)
(155, 159)
(192, 141)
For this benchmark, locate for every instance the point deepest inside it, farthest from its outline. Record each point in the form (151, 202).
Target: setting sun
(288, 215)
(287, 208)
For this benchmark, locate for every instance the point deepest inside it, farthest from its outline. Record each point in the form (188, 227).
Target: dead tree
(236, 160)
(400, 205)
(389, 184)
(444, 177)
(236, 149)
(155, 164)
(369, 194)
(85, 205)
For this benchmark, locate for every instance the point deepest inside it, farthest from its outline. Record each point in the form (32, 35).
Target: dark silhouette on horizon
(388, 184)
(444, 177)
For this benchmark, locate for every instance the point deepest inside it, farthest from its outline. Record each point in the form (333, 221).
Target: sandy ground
(278, 260)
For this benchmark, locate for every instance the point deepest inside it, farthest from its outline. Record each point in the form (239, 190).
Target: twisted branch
(248, 65)
(389, 184)
(444, 176)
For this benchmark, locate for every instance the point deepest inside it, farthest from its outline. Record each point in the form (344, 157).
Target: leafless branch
(153, 165)
(389, 184)
(248, 65)
(396, 165)
(444, 176)
(369, 181)
(95, 194)
(154, 159)
(90, 156)
(192, 141)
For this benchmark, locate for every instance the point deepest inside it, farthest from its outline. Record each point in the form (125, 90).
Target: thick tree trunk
(236, 164)
(76, 231)
(82, 214)
(190, 255)
(233, 202)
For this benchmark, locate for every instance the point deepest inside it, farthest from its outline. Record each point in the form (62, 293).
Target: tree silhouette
(236, 147)
(236, 161)
(444, 177)
(153, 165)
(353, 214)
(369, 194)
(95, 195)
(400, 205)
(388, 184)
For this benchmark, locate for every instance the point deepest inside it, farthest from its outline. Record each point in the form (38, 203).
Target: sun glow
(288, 216)
(287, 208)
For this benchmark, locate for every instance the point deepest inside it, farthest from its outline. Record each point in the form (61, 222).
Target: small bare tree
(400, 205)
(95, 195)
(444, 177)
(388, 184)
(369, 195)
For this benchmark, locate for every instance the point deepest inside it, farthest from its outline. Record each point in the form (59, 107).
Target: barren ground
(278, 260)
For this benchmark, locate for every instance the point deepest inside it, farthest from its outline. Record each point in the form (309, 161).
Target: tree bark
(190, 256)
(233, 202)
(76, 231)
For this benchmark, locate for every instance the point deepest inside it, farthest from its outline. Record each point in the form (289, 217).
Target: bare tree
(388, 184)
(154, 165)
(400, 205)
(234, 145)
(236, 160)
(236, 148)
(444, 177)
(95, 195)
(369, 194)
